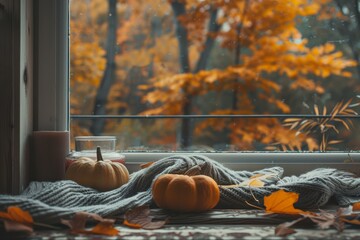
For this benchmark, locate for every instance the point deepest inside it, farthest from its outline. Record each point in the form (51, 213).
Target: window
(217, 75)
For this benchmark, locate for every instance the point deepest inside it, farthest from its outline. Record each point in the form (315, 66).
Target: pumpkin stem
(98, 154)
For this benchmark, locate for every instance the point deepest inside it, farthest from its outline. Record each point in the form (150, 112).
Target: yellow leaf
(256, 183)
(282, 202)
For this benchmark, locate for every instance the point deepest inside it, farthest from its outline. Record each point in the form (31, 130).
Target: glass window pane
(217, 57)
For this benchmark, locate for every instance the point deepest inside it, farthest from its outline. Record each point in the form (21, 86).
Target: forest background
(217, 57)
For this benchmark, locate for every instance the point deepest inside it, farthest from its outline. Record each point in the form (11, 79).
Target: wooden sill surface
(217, 224)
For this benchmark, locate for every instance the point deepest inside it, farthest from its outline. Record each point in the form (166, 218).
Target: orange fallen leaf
(132, 225)
(282, 202)
(353, 221)
(139, 217)
(17, 220)
(356, 206)
(16, 214)
(145, 165)
(105, 228)
(78, 222)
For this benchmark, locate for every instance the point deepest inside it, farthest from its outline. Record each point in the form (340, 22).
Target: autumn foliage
(205, 57)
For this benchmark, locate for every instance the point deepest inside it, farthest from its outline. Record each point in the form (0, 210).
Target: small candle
(50, 149)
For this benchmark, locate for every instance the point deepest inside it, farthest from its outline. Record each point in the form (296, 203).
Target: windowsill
(225, 224)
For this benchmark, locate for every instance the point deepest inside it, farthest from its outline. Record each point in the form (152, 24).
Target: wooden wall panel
(15, 92)
(6, 95)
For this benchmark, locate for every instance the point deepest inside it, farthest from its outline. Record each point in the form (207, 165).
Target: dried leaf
(16, 214)
(356, 206)
(316, 109)
(256, 183)
(12, 226)
(282, 202)
(78, 222)
(17, 220)
(140, 216)
(284, 229)
(287, 120)
(105, 228)
(334, 142)
(353, 221)
(324, 110)
(132, 225)
(145, 165)
(325, 219)
(345, 105)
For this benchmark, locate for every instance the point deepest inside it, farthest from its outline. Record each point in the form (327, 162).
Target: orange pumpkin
(100, 174)
(185, 193)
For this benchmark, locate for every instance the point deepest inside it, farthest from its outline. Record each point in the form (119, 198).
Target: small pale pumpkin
(102, 175)
(184, 193)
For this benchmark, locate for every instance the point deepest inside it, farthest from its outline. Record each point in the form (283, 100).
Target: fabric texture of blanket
(51, 201)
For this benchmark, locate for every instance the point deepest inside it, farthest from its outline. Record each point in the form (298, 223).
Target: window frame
(55, 114)
(51, 71)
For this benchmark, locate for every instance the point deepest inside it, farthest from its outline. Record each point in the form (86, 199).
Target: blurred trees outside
(183, 57)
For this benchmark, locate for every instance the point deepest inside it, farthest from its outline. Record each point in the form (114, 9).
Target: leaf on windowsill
(351, 221)
(78, 222)
(139, 217)
(16, 214)
(356, 206)
(282, 202)
(283, 230)
(105, 227)
(323, 219)
(337, 219)
(12, 226)
(17, 220)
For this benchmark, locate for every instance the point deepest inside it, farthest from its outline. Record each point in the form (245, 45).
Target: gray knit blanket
(51, 201)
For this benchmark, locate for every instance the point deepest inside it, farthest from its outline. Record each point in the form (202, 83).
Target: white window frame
(53, 107)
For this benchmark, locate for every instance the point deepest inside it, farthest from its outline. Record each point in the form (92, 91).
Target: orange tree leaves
(274, 57)
(273, 45)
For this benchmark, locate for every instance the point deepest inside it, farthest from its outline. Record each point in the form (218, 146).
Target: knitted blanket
(51, 201)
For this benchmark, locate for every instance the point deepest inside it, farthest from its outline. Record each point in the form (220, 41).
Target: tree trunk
(181, 34)
(182, 37)
(346, 28)
(109, 74)
(236, 62)
(213, 27)
(238, 53)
